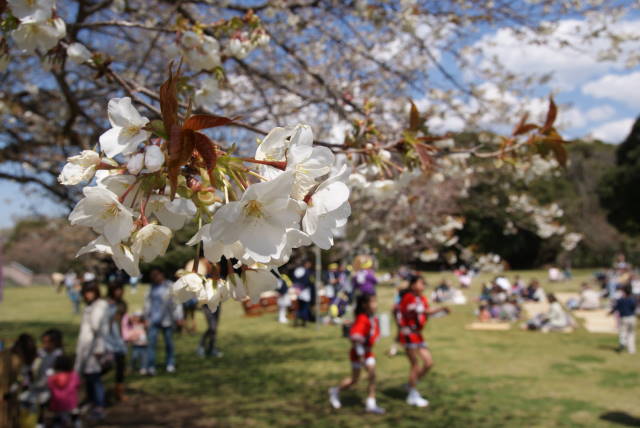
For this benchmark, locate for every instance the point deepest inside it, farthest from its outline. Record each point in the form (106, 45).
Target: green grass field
(275, 375)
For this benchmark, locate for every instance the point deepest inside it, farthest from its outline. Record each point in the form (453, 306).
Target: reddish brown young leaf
(520, 124)
(426, 160)
(207, 149)
(523, 127)
(180, 150)
(175, 145)
(205, 121)
(169, 100)
(173, 165)
(414, 117)
(527, 127)
(551, 116)
(188, 144)
(559, 152)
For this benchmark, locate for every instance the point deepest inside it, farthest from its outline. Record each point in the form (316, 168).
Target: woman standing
(91, 348)
(115, 342)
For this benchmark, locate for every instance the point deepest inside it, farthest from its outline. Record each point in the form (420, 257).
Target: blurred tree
(618, 189)
(47, 245)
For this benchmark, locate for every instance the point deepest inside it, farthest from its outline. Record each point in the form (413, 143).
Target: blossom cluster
(38, 27)
(251, 212)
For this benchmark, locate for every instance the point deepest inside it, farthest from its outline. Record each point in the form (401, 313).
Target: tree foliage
(619, 187)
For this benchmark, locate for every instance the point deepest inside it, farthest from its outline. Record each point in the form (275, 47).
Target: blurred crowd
(114, 339)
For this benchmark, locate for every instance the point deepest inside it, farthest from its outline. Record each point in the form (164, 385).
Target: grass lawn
(275, 375)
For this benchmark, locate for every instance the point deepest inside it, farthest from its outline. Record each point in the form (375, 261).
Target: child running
(414, 313)
(363, 334)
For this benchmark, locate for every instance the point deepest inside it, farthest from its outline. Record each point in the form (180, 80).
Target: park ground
(277, 375)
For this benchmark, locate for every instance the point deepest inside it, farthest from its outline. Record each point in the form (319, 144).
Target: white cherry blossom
(328, 209)
(217, 292)
(208, 93)
(79, 168)
(238, 48)
(122, 255)
(101, 210)
(24, 8)
(39, 31)
(200, 52)
(308, 163)
(275, 146)
(259, 219)
(151, 241)
(215, 249)
(188, 287)
(172, 214)
(119, 184)
(126, 131)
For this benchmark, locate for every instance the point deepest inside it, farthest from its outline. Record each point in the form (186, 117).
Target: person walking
(363, 335)
(625, 307)
(304, 281)
(414, 313)
(91, 348)
(117, 311)
(162, 314)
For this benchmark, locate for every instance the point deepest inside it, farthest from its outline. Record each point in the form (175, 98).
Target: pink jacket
(64, 391)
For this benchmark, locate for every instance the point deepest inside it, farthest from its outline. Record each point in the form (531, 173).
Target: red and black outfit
(412, 317)
(363, 334)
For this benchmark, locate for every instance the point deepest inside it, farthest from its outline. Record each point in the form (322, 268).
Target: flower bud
(78, 53)
(153, 158)
(135, 163)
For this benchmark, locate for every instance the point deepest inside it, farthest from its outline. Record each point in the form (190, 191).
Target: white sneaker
(143, 371)
(374, 409)
(171, 369)
(417, 400)
(334, 397)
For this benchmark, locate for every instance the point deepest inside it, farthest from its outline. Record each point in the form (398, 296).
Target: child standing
(63, 386)
(414, 313)
(135, 334)
(363, 335)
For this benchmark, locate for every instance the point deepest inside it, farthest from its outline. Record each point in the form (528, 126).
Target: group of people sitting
(501, 299)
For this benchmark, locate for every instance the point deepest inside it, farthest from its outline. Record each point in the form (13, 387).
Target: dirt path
(142, 410)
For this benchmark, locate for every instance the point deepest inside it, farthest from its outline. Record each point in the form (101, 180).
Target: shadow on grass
(621, 418)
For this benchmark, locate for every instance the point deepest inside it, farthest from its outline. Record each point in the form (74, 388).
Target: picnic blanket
(534, 308)
(598, 321)
(488, 326)
(563, 297)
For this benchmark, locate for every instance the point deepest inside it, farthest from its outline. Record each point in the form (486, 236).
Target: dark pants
(94, 388)
(208, 339)
(304, 311)
(120, 363)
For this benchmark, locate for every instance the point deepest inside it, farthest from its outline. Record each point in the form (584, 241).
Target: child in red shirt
(363, 334)
(63, 386)
(414, 312)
